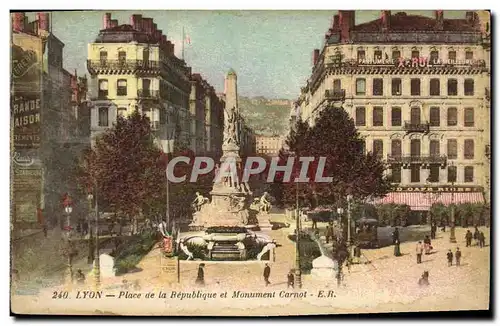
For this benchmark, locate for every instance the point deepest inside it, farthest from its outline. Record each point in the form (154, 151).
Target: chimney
(107, 20)
(346, 24)
(135, 21)
(18, 21)
(43, 21)
(439, 20)
(386, 20)
(315, 56)
(113, 23)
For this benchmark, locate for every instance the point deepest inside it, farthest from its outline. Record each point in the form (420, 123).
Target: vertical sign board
(26, 103)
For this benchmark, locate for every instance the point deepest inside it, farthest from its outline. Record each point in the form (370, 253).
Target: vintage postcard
(249, 163)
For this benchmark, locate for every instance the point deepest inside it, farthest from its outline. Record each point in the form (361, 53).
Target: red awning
(423, 201)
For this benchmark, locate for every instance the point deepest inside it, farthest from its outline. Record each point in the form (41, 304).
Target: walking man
(468, 238)
(433, 230)
(419, 250)
(482, 239)
(449, 256)
(267, 272)
(290, 279)
(327, 234)
(458, 255)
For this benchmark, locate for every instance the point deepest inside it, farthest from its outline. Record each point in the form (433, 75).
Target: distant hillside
(265, 116)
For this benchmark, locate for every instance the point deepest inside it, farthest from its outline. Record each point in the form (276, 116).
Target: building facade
(50, 123)
(417, 89)
(133, 67)
(269, 145)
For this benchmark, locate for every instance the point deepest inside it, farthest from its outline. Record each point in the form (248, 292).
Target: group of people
(478, 236)
(425, 247)
(449, 257)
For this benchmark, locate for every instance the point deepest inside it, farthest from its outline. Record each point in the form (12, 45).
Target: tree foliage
(335, 138)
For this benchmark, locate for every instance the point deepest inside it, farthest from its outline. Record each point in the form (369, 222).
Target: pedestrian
(419, 250)
(427, 245)
(80, 277)
(449, 256)
(458, 255)
(482, 239)
(200, 279)
(315, 224)
(267, 273)
(395, 235)
(397, 250)
(327, 234)
(79, 226)
(476, 235)
(433, 230)
(468, 238)
(290, 279)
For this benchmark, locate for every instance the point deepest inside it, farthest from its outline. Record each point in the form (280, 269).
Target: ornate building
(418, 91)
(133, 67)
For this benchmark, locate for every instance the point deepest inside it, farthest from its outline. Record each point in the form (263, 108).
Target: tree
(126, 168)
(333, 136)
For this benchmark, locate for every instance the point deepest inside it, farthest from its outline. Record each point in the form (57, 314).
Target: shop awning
(422, 201)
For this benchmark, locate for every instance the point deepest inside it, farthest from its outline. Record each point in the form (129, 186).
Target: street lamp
(91, 244)
(298, 272)
(97, 267)
(68, 209)
(349, 240)
(452, 229)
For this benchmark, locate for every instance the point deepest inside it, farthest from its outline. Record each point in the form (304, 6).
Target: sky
(271, 51)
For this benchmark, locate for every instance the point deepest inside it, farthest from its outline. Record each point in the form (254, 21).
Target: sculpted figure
(265, 205)
(199, 201)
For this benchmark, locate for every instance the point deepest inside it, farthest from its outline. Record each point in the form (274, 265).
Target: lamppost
(452, 229)
(349, 222)
(68, 209)
(97, 267)
(91, 238)
(298, 273)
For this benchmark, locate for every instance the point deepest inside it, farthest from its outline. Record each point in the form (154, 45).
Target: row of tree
(354, 172)
(126, 170)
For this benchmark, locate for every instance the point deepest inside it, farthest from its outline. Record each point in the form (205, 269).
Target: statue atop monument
(231, 126)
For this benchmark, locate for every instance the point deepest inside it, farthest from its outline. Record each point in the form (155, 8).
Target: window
(452, 56)
(452, 149)
(360, 86)
(360, 116)
(122, 112)
(415, 148)
(415, 115)
(469, 149)
(469, 55)
(396, 173)
(434, 87)
(435, 117)
(103, 88)
(452, 173)
(378, 148)
(415, 54)
(396, 117)
(434, 173)
(122, 57)
(396, 86)
(415, 173)
(121, 87)
(103, 117)
(469, 87)
(434, 57)
(377, 55)
(434, 147)
(469, 117)
(452, 87)
(378, 86)
(103, 57)
(415, 86)
(378, 116)
(396, 148)
(452, 116)
(361, 55)
(469, 174)
(337, 86)
(396, 55)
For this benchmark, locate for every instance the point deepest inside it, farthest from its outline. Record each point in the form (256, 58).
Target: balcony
(411, 127)
(123, 66)
(416, 159)
(335, 95)
(148, 94)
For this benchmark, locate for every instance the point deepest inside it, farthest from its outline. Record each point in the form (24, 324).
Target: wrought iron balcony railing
(148, 94)
(127, 65)
(335, 95)
(416, 127)
(416, 159)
